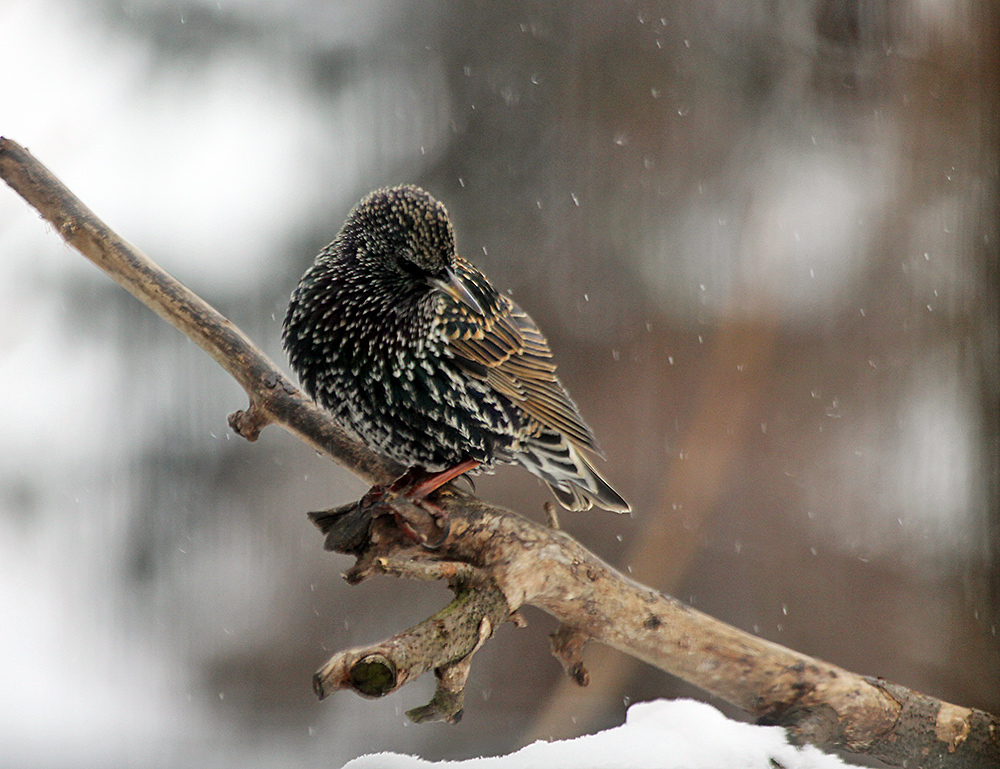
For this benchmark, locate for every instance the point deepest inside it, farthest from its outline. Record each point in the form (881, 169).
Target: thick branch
(498, 561)
(820, 703)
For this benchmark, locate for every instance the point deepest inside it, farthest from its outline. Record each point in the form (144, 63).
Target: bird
(414, 352)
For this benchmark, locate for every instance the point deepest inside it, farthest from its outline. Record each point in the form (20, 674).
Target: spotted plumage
(410, 347)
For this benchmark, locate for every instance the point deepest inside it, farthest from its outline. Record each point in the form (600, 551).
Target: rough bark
(496, 561)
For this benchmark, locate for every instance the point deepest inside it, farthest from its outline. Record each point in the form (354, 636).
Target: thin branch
(444, 643)
(497, 561)
(273, 397)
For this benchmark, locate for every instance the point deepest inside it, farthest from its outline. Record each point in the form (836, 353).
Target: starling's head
(405, 230)
(403, 233)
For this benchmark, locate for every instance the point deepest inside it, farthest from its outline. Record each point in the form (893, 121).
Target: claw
(444, 524)
(415, 485)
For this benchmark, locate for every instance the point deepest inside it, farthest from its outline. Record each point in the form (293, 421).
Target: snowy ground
(664, 734)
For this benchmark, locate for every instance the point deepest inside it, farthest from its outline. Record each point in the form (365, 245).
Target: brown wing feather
(509, 347)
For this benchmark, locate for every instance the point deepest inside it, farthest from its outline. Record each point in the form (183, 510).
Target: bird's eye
(412, 264)
(407, 263)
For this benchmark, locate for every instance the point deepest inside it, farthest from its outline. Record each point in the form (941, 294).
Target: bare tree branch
(273, 398)
(496, 561)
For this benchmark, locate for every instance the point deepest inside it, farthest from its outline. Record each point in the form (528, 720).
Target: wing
(504, 347)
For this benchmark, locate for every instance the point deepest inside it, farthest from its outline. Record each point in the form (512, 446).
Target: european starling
(410, 347)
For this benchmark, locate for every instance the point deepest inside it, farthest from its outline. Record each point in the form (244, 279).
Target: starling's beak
(452, 285)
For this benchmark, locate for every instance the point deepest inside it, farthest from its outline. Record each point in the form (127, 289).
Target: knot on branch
(373, 675)
(248, 424)
(567, 646)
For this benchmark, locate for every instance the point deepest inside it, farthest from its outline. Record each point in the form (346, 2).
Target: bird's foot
(440, 517)
(415, 485)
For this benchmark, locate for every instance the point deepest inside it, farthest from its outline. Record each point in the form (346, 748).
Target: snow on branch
(497, 561)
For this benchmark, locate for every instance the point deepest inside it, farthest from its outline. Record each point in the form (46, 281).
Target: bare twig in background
(496, 561)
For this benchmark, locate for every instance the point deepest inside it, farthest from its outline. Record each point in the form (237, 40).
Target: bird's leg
(416, 484)
(426, 483)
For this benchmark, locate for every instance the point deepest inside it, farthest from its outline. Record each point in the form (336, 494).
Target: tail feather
(574, 481)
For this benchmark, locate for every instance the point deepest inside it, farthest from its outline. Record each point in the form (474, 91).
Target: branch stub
(373, 675)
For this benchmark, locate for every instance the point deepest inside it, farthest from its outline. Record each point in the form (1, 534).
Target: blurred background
(761, 237)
